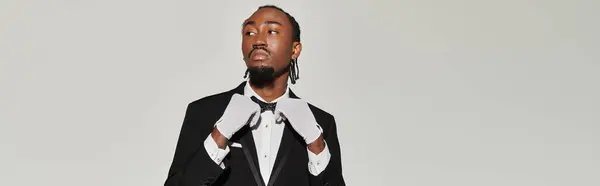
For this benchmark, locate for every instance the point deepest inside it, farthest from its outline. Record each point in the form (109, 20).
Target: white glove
(240, 111)
(301, 118)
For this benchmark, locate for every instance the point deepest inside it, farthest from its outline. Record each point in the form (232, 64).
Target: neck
(272, 90)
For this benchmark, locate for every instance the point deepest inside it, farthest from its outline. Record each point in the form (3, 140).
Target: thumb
(279, 117)
(254, 120)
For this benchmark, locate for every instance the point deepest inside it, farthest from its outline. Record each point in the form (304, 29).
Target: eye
(273, 32)
(249, 33)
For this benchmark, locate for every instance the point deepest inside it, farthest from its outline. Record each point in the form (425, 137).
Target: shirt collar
(249, 92)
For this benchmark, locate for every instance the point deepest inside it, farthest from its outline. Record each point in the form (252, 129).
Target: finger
(279, 118)
(253, 119)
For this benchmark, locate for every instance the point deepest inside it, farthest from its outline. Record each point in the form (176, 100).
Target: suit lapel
(282, 154)
(285, 146)
(248, 146)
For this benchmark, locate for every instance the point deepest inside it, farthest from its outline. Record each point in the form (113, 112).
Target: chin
(260, 76)
(260, 65)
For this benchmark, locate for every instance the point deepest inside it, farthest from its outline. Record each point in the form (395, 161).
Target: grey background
(425, 93)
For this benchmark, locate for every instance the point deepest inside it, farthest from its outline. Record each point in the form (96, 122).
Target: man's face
(267, 43)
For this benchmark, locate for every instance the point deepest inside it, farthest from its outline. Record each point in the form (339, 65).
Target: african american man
(259, 133)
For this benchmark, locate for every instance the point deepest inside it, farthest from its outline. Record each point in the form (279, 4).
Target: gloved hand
(300, 117)
(240, 111)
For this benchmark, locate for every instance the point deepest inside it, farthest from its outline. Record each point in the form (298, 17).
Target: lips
(259, 54)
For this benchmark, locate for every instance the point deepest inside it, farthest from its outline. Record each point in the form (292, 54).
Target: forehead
(268, 14)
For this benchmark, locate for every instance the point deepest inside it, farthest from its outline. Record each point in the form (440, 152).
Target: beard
(261, 76)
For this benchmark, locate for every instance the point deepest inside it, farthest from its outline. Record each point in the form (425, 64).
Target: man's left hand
(301, 118)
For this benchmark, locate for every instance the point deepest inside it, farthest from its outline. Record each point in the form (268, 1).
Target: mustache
(255, 48)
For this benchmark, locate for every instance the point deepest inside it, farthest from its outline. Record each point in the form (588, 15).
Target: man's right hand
(240, 111)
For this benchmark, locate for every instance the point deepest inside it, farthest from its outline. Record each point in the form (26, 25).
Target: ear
(296, 49)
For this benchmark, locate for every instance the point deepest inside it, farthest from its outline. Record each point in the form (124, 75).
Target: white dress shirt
(267, 138)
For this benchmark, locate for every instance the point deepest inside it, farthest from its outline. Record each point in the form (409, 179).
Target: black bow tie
(264, 106)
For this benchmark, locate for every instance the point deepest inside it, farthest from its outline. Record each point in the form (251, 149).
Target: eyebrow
(266, 22)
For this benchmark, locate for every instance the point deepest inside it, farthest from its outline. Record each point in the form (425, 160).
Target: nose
(260, 42)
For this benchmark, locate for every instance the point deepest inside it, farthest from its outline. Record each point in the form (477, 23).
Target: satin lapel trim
(249, 148)
(284, 149)
(282, 154)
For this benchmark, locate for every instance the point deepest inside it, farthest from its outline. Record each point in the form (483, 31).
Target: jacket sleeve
(332, 175)
(191, 165)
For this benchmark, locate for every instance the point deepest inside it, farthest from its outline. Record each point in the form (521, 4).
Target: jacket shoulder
(205, 111)
(212, 99)
(320, 114)
(217, 98)
(324, 119)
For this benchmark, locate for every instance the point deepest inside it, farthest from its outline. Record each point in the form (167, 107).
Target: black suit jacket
(192, 166)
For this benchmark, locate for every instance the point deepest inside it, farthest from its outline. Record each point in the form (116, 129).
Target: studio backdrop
(427, 93)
